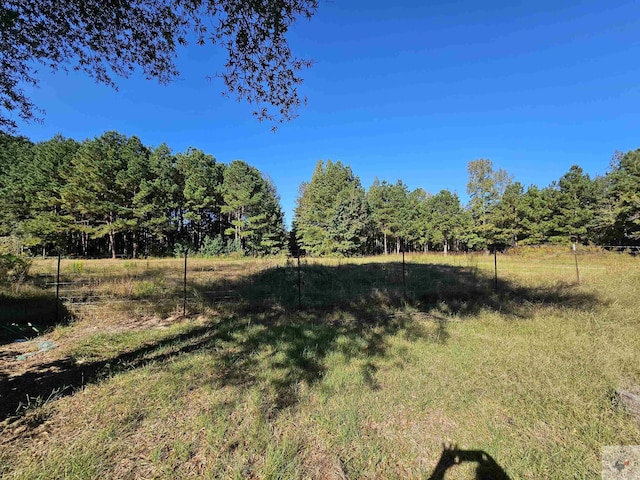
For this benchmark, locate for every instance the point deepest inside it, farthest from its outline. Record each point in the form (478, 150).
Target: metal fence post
(575, 256)
(58, 289)
(495, 268)
(299, 284)
(184, 287)
(404, 277)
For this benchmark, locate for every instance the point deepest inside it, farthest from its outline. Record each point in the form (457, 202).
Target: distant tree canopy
(112, 195)
(501, 213)
(114, 38)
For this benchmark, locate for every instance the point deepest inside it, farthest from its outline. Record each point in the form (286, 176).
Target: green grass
(362, 382)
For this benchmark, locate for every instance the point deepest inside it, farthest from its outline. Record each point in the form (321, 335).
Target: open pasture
(363, 372)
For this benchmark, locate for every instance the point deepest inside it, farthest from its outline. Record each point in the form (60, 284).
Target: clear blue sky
(406, 89)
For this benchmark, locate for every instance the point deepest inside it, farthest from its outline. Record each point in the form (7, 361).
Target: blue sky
(407, 89)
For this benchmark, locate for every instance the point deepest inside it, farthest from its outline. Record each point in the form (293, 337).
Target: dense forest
(112, 195)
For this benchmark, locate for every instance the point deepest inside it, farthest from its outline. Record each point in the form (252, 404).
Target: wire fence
(152, 284)
(60, 287)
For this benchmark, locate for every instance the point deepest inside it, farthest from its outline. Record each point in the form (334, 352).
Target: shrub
(180, 247)
(76, 267)
(234, 248)
(14, 268)
(148, 288)
(10, 244)
(212, 247)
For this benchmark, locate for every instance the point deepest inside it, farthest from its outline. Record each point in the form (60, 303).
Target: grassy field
(376, 375)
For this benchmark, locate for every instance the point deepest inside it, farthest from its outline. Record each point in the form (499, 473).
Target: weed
(130, 265)
(76, 267)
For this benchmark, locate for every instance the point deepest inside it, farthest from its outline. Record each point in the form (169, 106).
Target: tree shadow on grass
(439, 289)
(295, 346)
(262, 338)
(65, 376)
(31, 315)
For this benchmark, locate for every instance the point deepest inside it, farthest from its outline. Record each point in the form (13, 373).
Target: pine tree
(508, 215)
(330, 213)
(243, 191)
(573, 203)
(624, 194)
(446, 218)
(158, 201)
(16, 157)
(485, 188)
(267, 223)
(418, 228)
(388, 205)
(202, 179)
(98, 192)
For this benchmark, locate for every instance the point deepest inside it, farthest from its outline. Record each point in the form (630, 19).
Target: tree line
(112, 195)
(336, 215)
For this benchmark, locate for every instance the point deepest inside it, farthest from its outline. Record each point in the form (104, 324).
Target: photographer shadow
(487, 468)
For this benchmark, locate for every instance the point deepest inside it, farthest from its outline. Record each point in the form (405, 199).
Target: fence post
(495, 268)
(184, 285)
(404, 277)
(575, 256)
(299, 284)
(58, 289)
